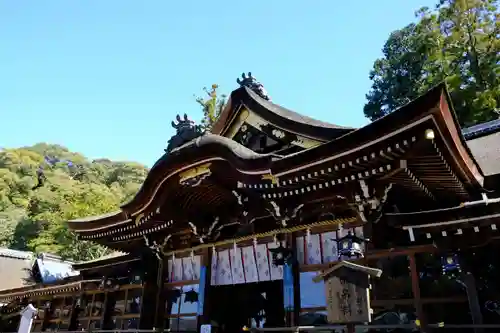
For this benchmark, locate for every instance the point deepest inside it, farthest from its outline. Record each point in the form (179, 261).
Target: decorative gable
(251, 119)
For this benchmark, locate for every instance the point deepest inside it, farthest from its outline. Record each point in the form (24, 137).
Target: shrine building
(231, 226)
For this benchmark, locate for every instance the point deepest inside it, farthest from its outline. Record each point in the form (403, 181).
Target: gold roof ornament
(194, 176)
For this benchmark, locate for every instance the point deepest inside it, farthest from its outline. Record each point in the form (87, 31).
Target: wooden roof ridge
(484, 147)
(16, 254)
(375, 272)
(277, 115)
(42, 289)
(433, 107)
(114, 258)
(482, 129)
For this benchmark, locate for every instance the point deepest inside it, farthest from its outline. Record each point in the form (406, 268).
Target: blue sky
(106, 77)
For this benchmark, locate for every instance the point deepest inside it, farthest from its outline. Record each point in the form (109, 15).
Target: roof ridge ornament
(187, 130)
(250, 82)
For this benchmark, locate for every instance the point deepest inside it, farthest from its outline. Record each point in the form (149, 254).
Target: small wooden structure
(347, 292)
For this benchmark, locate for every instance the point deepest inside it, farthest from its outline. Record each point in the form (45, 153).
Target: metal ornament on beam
(274, 180)
(194, 176)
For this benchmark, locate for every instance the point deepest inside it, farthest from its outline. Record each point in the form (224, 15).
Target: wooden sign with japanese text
(347, 292)
(346, 301)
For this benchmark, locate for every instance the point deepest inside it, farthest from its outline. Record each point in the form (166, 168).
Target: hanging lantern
(450, 264)
(281, 255)
(350, 245)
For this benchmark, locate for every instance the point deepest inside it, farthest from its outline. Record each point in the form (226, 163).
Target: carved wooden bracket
(369, 204)
(283, 216)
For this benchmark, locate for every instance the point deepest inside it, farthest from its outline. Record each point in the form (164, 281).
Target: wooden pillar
(153, 296)
(109, 308)
(49, 311)
(204, 288)
(296, 282)
(161, 298)
(291, 285)
(417, 302)
(472, 296)
(75, 311)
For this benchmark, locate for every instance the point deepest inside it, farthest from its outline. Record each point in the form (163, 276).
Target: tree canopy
(459, 43)
(35, 219)
(211, 106)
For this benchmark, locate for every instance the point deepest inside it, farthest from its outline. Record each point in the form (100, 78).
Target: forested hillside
(34, 218)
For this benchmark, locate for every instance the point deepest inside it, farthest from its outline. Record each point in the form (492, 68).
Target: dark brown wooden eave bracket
(375, 272)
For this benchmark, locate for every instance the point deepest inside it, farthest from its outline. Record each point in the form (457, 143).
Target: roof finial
(250, 82)
(186, 131)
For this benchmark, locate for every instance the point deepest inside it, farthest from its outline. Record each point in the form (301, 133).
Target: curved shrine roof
(430, 112)
(205, 148)
(277, 115)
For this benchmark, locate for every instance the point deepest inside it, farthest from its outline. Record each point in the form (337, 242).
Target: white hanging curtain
(244, 265)
(183, 269)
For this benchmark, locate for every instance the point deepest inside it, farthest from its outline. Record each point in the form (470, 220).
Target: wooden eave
(375, 272)
(430, 111)
(391, 150)
(42, 290)
(96, 223)
(407, 159)
(215, 150)
(205, 149)
(276, 115)
(445, 216)
(98, 263)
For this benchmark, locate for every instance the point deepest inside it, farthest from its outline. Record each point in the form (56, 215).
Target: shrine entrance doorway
(258, 304)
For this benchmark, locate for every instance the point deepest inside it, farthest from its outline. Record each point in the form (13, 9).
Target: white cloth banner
(237, 265)
(263, 268)
(191, 268)
(249, 264)
(184, 269)
(224, 274)
(215, 263)
(245, 265)
(313, 249)
(330, 252)
(177, 269)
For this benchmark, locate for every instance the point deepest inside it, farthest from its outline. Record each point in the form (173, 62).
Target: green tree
(211, 106)
(35, 220)
(459, 43)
